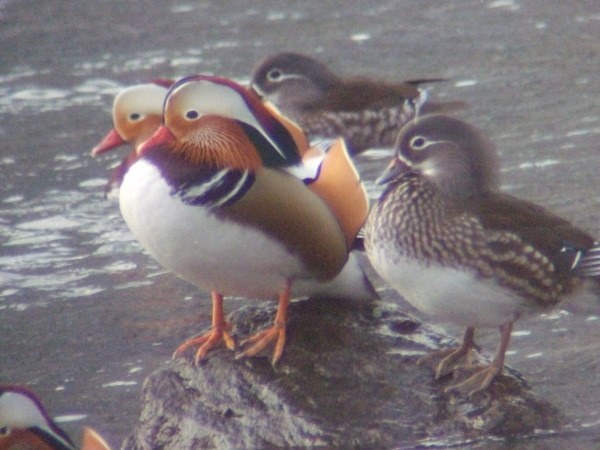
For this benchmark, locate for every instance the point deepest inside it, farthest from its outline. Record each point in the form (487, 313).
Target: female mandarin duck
(367, 113)
(216, 198)
(137, 114)
(25, 424)
(460, 250)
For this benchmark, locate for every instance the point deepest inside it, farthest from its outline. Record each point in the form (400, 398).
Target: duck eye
(274, 74)
(134, 117)
(192, 114)
(4, 431)
(418, 142)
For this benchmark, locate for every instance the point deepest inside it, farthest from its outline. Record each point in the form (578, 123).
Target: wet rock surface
(348, 378)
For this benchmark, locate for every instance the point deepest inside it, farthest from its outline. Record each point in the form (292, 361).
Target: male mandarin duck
(457, 248)
(25, 425)
(367, 113)
(137, 114)
(229, 196)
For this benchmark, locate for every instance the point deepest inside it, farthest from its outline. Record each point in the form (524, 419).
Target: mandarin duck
(458, 249)
(229, 196)
(367, 113)
(137, 114)
(25, 424)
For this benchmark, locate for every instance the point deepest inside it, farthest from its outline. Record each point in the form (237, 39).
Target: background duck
(366, 112)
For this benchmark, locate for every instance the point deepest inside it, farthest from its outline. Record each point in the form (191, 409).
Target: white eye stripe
(283, 76)
(421, 143)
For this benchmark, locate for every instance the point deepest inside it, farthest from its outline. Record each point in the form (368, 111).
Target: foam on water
(120, 383)
(70, 418)
(510, 5)
(39, 98)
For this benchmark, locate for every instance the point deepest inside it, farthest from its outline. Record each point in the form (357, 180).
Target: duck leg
(276, 333)
(445, 361)
(479, 378)
(220, 331)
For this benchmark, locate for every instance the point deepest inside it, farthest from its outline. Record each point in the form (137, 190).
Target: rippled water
(85, 315)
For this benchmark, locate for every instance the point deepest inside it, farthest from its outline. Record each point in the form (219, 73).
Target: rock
(348, 378)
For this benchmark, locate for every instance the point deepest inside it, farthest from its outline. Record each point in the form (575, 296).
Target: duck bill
(160, 137)
(394, 169)
(112, 140)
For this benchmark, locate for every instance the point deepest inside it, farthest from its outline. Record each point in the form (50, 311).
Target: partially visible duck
(137, 114)
(366, 112)
(25, 424)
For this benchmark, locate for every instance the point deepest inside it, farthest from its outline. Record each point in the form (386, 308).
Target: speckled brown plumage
(422, 226)
(455, 247)
(361, 129)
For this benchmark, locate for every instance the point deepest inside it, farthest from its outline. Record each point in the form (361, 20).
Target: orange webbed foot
(207, 342)
(219, 332)
(276, 333)
(261, 340)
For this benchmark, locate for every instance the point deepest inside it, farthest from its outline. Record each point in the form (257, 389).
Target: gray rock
(348, 378)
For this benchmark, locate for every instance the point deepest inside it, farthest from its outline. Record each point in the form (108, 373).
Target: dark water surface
(85, 316)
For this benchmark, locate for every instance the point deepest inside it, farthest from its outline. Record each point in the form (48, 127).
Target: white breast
(190, 241)
(448, 294)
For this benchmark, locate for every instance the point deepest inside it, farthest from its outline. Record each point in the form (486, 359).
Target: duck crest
(208, 95)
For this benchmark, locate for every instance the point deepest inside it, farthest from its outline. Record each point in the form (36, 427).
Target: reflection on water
(55, 245)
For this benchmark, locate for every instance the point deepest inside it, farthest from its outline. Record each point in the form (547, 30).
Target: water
(86, 316)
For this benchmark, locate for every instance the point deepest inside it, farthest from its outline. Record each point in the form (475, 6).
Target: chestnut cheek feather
(218, 143)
